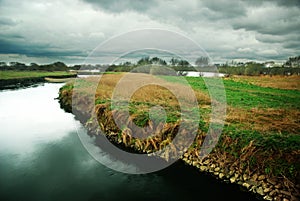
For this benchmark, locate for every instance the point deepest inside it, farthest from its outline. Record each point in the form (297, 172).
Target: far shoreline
(19, 79)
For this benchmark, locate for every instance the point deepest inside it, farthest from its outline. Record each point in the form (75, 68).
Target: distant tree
(34, 66)
(179, 62)
(183, 63)
(60, 65)
(2, 63)
(159, 61)
(254, 69)
(127, 63)
(76, 67)
(144, 61)
(17, 64)
(202, 61)
(293, 62)
(174, 61)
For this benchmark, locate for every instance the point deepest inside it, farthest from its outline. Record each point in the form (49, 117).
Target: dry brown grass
(152, 89)
(264, 120)
(280, 82)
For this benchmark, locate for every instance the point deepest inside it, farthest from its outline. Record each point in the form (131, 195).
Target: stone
(252, 189)
(195, 163)
(289, 194)
(221, 175)
(203, 168)
(278, 186)
(268, 198)
(206, 162)
(260, 190)
(285, 199)
(247, 185)
(252, 183)
(273, 192)
(217, 169)
(254, 177)
(266, 190)
(232, 179)
(245, 177)
(271, 181)
(213, 166)
(265, 185)
(261, 177)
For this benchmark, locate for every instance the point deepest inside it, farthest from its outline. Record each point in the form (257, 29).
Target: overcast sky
(45, 31)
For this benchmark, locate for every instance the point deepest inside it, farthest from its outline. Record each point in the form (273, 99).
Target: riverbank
(16, 79)
(263, 160)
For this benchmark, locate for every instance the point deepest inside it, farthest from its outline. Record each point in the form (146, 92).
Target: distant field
(5, 75)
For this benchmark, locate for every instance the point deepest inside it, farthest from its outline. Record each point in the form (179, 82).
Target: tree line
(17, 66)
(145, 65)
(258, 69)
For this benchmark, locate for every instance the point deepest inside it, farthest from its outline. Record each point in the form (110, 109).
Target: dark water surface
(42, 158)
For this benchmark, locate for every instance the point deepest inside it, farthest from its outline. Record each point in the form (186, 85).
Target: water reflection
(30, 116)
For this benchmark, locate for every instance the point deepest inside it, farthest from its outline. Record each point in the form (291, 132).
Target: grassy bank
(259, 145)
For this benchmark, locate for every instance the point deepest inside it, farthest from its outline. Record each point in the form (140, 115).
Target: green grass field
(246, 95)
(5, 75)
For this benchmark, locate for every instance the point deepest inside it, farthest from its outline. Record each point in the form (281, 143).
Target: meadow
(261, 134)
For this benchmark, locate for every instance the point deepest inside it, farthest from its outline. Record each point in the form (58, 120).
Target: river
(42, 158)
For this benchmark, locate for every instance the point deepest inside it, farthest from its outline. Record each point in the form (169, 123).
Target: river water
(42, 158)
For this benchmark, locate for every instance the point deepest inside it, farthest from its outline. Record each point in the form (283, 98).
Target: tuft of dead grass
(280, 82)
(265, 119)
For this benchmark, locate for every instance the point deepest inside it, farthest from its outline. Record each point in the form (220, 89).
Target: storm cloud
(68, 30)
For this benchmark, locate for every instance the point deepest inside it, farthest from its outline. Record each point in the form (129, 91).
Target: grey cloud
(4, 21)
(292, 45)
(38, 50)
(228, 9)
(122, 5)
(226, 29)
(286, 3)
(271, 21)
(268, 38)
(275, 28)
